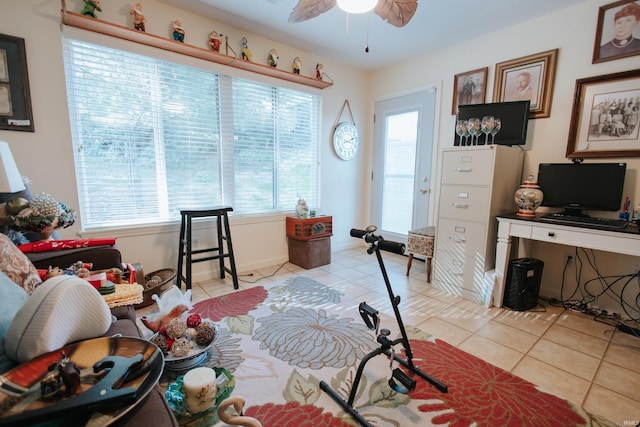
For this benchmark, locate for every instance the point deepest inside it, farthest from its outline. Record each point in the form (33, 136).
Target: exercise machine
(399, 381)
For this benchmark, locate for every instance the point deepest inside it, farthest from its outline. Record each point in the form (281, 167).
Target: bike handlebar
(384, 245)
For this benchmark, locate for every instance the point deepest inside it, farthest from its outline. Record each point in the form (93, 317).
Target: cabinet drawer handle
(463, 169)
(460, 205)
(458, 239)
(552, 234)
(455, 273)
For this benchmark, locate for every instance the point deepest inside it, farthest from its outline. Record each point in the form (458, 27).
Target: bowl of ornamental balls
(184, 341)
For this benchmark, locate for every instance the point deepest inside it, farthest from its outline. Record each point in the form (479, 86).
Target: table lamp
(10, 178)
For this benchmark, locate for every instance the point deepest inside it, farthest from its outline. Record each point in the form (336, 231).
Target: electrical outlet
(568, 257)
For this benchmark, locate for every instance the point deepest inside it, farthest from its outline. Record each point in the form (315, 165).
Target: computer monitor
(580, 187)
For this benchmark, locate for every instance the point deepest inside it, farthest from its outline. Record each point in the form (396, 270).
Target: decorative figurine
(246, 53)
(63, 372)
(302, 209)
(178, 31)
(215, 41)
(273, 58)
(297, 65)
(319, 71)
(90, 7)
(138, 17)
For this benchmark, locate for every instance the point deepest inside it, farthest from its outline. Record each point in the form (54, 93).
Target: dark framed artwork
(469, 88)
(618, 31)
(15, 97)
(605, 116)
(529, 78)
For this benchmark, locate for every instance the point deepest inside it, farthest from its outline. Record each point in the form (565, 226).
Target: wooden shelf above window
(91, 24)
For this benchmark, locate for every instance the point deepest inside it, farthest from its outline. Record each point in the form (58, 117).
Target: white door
(403, 145)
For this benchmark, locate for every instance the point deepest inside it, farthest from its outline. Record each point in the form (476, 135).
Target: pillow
(12, 298)
(17, 266)
(62, 310)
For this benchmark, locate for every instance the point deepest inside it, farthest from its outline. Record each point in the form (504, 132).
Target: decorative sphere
(528, 197)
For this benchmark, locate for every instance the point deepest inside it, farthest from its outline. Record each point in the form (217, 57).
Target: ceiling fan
(397, 12)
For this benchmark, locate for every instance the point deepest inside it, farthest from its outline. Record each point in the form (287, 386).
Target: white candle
(200, 389)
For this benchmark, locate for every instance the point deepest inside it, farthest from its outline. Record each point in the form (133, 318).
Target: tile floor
(564, 352)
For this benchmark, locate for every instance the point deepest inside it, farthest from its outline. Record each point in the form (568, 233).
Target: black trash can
(523, 284)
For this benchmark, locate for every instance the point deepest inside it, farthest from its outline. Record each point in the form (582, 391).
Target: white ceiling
(340, 37)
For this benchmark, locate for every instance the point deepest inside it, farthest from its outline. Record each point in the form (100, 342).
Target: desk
(625, 241)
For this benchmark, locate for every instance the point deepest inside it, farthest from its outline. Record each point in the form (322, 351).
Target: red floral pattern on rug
(237, 303)
(483, 394)
(294, 414)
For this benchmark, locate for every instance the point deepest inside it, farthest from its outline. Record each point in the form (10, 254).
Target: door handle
(424, 190)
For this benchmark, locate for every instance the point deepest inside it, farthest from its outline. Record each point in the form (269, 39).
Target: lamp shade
(357, 6)
(10, 179)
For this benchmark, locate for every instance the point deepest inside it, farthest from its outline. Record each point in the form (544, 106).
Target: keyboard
(587, 221)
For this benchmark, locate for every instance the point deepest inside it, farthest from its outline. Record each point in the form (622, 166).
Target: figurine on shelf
(178, 31)
(297, 65)
(246, 53)
(273, 58)
(138, 17)
(215, 41)
(90, 7)
(319, 71)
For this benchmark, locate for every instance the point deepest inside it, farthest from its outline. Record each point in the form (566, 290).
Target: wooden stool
(185, 244)
(421, 241)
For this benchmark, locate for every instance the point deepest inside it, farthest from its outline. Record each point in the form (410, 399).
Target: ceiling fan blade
(396, 12)
(307, 9)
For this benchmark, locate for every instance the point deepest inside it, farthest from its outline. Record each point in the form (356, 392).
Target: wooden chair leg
(409, 262)
(428, 269)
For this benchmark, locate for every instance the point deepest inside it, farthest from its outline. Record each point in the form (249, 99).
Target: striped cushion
(62, 310)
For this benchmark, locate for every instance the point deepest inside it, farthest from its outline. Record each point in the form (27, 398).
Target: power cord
(582, 298)
(263, 277)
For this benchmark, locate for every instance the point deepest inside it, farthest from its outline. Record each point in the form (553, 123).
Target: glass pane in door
(399, 171)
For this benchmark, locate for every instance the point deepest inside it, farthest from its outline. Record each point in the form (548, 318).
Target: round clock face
(346, 140)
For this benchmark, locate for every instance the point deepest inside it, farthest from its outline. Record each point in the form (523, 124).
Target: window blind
(152, 136)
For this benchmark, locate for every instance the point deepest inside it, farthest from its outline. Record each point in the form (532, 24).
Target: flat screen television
(513, 115)
(580, 187)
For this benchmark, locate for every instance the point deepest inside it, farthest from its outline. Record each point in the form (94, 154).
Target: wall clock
(346, 138)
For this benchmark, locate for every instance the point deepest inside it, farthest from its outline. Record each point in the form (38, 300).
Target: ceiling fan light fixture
(357, 6)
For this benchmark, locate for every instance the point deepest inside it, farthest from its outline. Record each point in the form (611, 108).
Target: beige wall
(46, 157)
(572, 31)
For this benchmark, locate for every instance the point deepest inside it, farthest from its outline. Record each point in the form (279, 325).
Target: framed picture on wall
(606, 116)
(469, 88)
(529, 78)
(618, 31)
(15, 97)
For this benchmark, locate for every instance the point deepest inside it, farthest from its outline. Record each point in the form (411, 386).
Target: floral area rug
(281, 340)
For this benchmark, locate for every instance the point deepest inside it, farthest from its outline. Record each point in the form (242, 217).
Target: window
(152, 136)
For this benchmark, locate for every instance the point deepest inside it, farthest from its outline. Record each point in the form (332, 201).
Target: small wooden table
(421, 242)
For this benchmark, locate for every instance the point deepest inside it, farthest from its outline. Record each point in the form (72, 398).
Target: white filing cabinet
(476, 184)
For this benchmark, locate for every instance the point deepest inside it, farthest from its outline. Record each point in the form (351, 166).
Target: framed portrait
(469, 88)
(529, 78)
(618, 31)
(605, 116)
(15, 97)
